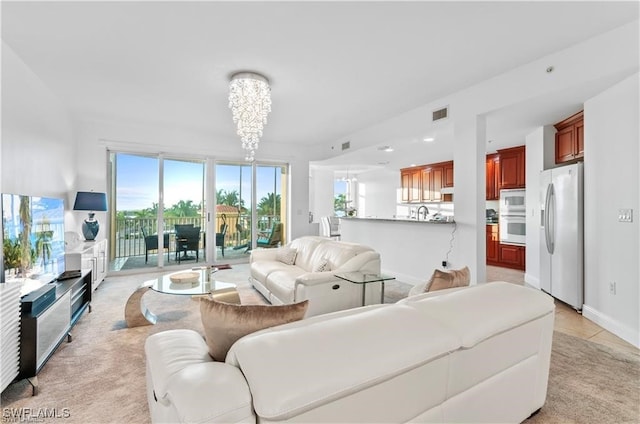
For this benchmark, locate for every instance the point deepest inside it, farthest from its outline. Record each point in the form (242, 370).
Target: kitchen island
(409, 249)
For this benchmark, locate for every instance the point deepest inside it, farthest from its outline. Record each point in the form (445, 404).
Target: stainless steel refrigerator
(561, 234)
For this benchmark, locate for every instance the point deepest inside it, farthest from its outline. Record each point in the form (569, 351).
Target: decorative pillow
(286, 255)
(224, 323)
(445, 280)
(323, 265)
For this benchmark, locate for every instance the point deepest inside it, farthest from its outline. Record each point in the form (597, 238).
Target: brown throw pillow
(441, 280)
(224, 323)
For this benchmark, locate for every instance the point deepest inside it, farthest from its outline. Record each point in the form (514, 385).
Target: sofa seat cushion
(282, 283)
(358, 350)
(260, 270)
(501, 306)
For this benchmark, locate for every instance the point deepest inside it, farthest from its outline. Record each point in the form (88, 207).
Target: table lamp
(90, 201)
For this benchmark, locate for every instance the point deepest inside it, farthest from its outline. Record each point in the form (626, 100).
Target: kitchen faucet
(426, 212)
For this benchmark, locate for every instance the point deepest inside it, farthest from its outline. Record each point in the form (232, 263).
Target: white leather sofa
(480, 354)
(283, 284)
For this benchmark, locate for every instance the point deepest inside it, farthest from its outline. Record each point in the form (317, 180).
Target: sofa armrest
(263, 254)
(364, 262)
(316, 278)
(213, 392)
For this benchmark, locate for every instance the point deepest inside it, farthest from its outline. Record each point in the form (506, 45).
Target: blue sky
(137, 181)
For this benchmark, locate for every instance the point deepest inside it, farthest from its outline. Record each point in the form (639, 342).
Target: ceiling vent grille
(346, 145)
(440, 114)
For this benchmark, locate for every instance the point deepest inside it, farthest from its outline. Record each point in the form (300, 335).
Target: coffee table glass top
(363, 278)
(164, 284)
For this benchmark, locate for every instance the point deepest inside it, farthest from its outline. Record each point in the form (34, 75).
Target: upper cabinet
(425, 183)
(512, 167)
(410, 181)
(447, 174)
(493, 176)
(570, 138)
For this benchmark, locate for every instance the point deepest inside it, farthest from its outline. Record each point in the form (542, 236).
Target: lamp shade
(90, 201)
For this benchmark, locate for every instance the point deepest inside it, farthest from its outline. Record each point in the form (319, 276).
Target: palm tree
(340, 202)
(269, 205)
(25, 243)
(184, 208)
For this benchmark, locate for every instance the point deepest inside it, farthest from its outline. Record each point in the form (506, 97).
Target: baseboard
(619, 329)
(532, 281)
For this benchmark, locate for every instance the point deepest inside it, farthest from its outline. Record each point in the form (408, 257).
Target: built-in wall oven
(512, 219)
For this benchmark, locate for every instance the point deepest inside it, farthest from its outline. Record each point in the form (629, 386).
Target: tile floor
(567, 319)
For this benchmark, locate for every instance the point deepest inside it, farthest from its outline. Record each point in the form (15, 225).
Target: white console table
(89, 255)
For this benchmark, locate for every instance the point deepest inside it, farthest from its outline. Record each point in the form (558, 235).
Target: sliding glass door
(151, 196)
(252, 217)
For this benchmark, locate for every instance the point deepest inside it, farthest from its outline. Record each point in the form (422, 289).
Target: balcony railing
(129, 238)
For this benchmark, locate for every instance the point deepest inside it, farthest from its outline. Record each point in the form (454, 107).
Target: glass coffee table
(364, 279)
(194, 282)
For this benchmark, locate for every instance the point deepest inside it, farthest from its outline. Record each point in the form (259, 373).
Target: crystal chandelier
(250, 103)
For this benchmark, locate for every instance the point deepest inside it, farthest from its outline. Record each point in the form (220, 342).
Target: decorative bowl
(185, 277)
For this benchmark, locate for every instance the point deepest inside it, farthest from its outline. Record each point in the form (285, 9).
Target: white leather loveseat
(282, 283)
(480, 354)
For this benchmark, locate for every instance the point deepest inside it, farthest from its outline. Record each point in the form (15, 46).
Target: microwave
(512, 202)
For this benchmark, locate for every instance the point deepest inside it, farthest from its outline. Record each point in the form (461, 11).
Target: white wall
(321, 192)
(379, 188)
(37, 136)
(38, 155)
(611, 180)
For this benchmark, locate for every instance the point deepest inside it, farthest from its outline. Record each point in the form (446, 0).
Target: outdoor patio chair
(151, 243)
(274, 237)
(187, 240)
(221, 235)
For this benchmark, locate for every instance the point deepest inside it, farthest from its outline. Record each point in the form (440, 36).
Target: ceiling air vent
(346, 145)
(440, 114)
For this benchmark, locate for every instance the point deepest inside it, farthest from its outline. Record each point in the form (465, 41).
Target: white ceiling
(335, 67)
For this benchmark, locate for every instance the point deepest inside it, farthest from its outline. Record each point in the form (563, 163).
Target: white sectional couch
(480, 354)
(281, 283)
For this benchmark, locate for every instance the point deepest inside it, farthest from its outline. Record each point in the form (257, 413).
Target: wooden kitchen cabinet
(431, 182)
(493, 242)
(424, 183)
(447, 174)
(493, 177)
(570, 139)
(512, 167)
(512, 256)
(410, 183)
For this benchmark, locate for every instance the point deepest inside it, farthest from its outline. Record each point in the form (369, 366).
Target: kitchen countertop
(357, 218)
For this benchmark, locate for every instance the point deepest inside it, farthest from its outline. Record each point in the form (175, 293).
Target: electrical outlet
(625, 215)
(612, 287)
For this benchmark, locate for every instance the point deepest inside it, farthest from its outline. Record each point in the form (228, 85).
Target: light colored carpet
(99, 377)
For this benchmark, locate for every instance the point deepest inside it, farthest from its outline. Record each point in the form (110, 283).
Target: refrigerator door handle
(547, 219)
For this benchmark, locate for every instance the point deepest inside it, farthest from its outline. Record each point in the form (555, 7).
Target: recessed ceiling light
(386, 149)
(428, 139)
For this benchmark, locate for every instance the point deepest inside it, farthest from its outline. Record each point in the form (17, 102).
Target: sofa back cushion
(305, 246)
(354, 355)
(334, 254)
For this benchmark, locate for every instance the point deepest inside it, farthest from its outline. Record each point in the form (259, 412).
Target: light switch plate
(625, 215)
